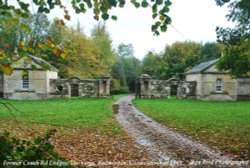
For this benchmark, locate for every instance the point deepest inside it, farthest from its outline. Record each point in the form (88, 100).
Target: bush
(116, 88)
(37, 149)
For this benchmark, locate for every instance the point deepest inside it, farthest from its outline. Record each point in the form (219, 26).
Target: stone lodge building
(27, 83)
(212, 84)
(203, 82)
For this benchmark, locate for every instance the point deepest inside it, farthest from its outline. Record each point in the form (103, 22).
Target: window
(59, 88)
(25, 82)
(218, 85)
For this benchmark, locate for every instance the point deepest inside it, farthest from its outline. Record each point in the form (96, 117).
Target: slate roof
(42, 62)
(202, 67)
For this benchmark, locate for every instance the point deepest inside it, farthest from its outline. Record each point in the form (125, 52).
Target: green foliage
(210, 50)
(178, 58)
(28, 36)
(40, 148)
(101, 38)
(126, 66)
(85, 58)
(118, 88)
(98, 7)
(236, 40)
(152, 65)
(61, 46)
(236, 59)
(222, 124)
(32, 37)
(118, 74)
(125, 50)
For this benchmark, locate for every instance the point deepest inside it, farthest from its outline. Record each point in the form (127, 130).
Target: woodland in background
(28, 33)
(89, 57)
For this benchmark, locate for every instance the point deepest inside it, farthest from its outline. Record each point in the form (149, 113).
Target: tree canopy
(101, 9)
(236, 40)
(178, 58)
(17, 14)
(127, 68)
(24, 30)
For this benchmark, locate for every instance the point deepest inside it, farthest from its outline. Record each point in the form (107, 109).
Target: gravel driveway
(163, 143)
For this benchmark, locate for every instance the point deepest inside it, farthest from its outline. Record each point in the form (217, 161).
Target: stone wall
(75, 87)
(208, 88)
(243, 89)
(229, 92)
(186, 90)
(199, 86)
(1, 86)
(37, 86)
(149, 88)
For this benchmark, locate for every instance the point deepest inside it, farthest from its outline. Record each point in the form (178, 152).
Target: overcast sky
(193, 20)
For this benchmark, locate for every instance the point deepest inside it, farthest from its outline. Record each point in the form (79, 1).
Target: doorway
(74, 90)
(173, 89)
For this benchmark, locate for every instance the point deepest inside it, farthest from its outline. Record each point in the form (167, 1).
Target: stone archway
(173, 86)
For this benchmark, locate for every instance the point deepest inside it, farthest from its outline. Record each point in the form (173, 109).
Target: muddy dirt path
(163, 143)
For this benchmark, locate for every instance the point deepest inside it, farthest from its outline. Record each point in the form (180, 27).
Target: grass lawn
(86, 128)
(75, 112)
(221, 124)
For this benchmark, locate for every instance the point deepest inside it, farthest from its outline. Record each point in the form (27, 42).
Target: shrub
(37, 149)
(116, 88)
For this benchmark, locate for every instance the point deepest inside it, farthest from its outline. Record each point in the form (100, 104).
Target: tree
(131, 65)
(56, 33)
(20, 40)
(15, 13)
(179, 57)
(119, 78)
(83, 56)
(101, 38)
(125, 50)
(210, 50)
(152, 65)
(236, 40)
(101, 9)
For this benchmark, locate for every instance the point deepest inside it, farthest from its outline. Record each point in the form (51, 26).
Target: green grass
(222, 124)
(75, 112)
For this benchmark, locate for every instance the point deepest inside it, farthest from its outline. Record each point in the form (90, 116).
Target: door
(74, 90)
(173, 89)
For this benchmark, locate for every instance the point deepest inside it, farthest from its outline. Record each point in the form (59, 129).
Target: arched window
(25, 83)
(219, 85)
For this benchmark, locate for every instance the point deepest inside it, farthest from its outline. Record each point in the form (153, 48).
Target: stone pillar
(104, 86)
(145, 86)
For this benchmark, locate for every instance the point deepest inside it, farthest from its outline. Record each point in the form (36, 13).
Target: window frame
(219, 84)
(25, 82)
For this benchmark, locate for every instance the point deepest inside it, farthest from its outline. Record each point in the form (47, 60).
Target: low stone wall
(147, 88)
(224, 96)
(75, 87)
(243, 89)
(186, 90)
